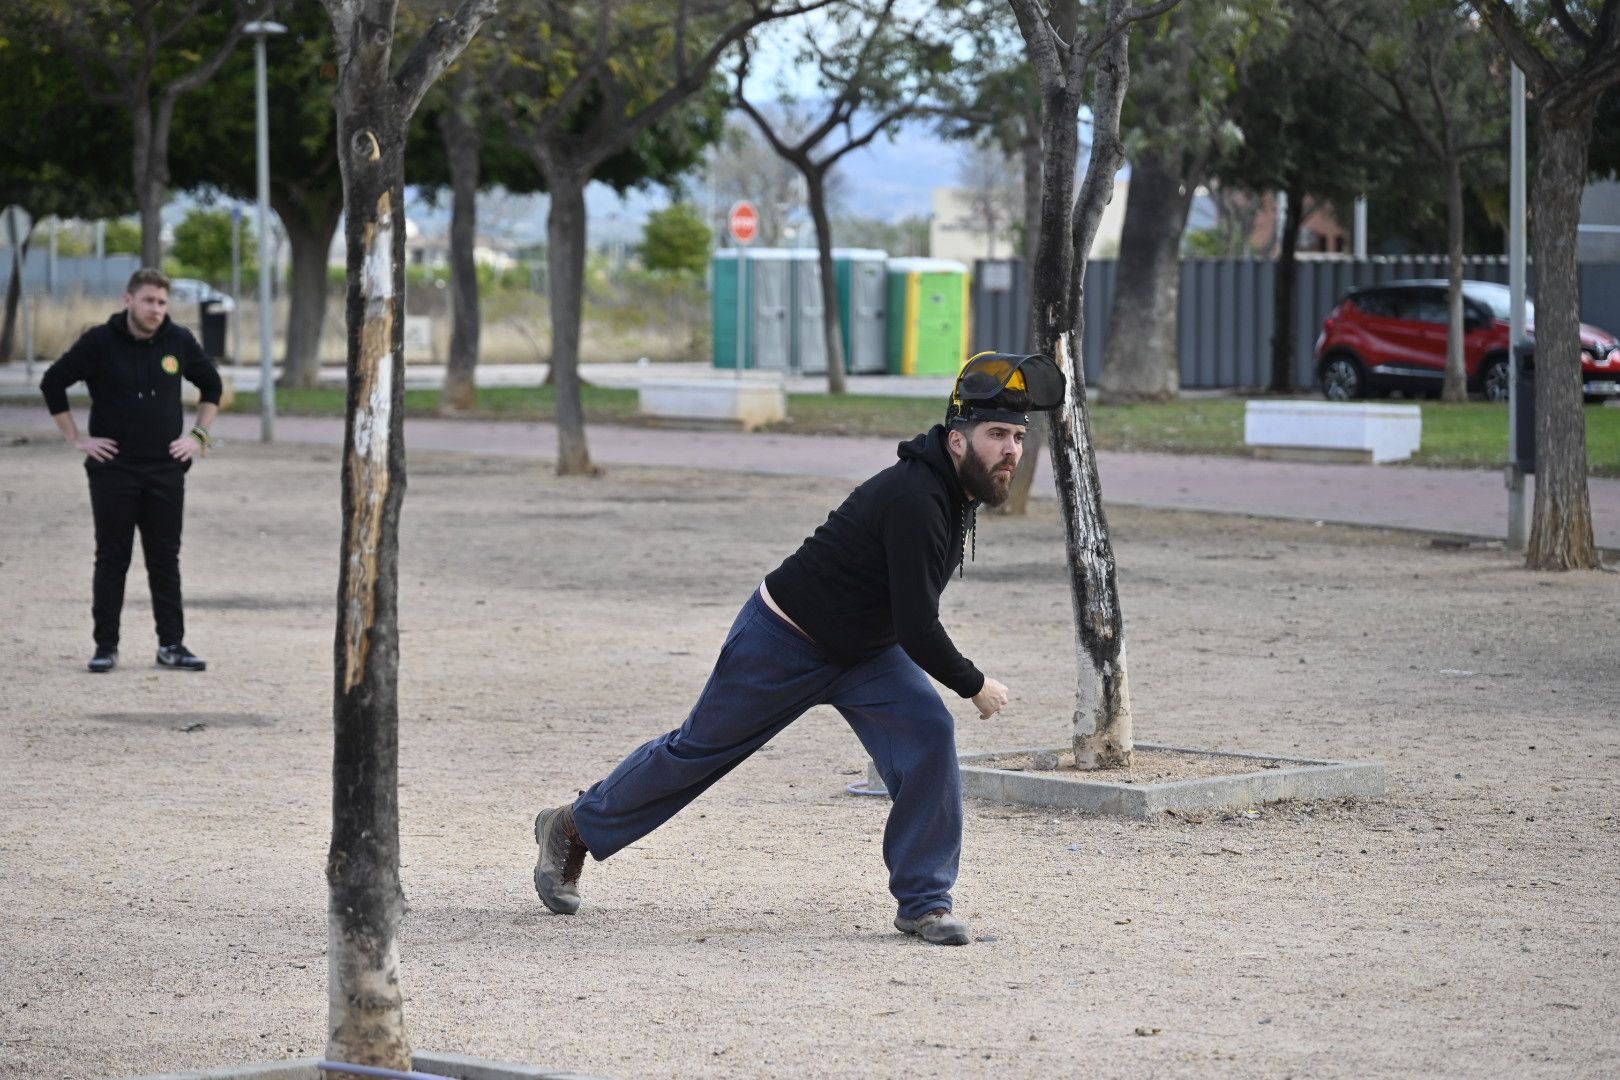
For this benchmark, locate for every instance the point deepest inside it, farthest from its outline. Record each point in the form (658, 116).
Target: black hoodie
(871, 575)
(134, 384)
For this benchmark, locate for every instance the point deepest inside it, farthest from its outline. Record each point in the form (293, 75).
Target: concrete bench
(746, 403)
(1359, 432)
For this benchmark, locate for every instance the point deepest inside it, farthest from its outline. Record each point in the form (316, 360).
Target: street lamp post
(1517, 528)
(259, 30)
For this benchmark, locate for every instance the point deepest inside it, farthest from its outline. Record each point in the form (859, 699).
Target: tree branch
(1521, 48)
(1568, 23)
(437, 50)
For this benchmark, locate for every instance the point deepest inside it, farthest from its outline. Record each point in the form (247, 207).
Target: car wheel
(1342, 379)
(1493, 379)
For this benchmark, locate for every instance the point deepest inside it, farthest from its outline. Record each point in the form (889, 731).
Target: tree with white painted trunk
(374, 103)
(1067, 57)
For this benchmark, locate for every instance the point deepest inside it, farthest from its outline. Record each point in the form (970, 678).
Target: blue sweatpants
(769, 675)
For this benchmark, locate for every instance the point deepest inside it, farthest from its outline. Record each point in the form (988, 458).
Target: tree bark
(1561, 523)
(1141, 360)
(1455, 388)
(816, 189)
(1282, 327)
(462, 147)
(1102, 717)
(565, 264)
(150, 176)
(366, 1011)
(309, 235)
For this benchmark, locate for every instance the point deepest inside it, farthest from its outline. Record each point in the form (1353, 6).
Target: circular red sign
(743, 222)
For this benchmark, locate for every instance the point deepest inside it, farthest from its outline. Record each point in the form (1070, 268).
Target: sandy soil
(164, 834)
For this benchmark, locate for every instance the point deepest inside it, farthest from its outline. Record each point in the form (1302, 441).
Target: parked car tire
(1341, 378)
(1493, 378)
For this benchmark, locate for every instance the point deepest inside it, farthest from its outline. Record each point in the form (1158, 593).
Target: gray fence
(1227, 307)
(68, 276)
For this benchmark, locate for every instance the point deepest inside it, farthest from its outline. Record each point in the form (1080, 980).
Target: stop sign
(743, 222)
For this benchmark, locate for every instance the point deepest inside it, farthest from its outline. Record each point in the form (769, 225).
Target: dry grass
(517, 327)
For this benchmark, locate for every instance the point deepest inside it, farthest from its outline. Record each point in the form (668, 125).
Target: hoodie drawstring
(970, 527)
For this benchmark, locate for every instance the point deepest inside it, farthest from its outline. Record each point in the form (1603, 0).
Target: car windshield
(1498, 298)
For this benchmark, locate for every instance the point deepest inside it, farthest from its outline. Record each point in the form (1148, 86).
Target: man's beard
(982, 482)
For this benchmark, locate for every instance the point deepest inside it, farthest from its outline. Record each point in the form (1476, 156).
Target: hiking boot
(938, 927)
(181, 658)
(562, 857)
(104, 660)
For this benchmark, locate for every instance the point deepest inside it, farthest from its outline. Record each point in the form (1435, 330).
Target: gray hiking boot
(562, 857)
(938, 927)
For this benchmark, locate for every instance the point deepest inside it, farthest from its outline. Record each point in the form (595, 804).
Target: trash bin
(1524, 406)
(214, 316)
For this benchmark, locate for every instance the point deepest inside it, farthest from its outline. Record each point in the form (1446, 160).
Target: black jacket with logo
(134, 384)
(871, 575)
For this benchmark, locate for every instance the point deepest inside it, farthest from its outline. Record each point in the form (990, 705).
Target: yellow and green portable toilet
(928, 316)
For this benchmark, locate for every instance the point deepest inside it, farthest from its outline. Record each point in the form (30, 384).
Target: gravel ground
(164, 834)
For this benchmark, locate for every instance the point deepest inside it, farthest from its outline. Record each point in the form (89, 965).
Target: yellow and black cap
(1006, 387)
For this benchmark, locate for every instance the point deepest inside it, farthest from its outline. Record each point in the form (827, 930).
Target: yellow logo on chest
(171, 365)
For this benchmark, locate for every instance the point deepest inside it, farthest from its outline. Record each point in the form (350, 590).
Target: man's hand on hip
(96, 447)
(186, 448)
(991, 698)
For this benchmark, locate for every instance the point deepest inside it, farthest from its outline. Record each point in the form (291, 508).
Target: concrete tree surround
(1279, 778)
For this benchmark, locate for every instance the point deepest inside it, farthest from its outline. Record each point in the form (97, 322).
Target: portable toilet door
(930, 334)
(862, 296)
(751, 300)
(725, 302)
(809, 326)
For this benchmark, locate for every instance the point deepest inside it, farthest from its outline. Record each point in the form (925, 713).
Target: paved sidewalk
(1449, 501)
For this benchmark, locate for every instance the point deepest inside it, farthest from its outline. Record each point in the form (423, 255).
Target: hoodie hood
(930, 448)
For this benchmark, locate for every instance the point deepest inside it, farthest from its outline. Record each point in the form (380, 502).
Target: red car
(1393, 337)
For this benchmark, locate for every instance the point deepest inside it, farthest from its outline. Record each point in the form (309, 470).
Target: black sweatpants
(149, 496)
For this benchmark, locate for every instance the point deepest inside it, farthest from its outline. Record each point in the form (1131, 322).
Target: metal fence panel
(1226, 308)
(78, 275)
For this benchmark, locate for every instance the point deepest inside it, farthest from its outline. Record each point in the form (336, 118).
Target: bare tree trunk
(1141, 359)
(367, 1014)
(1561, 523)
(309, 235)
(462, 147)
(1102, 717)
(816, 189)
(1282, 327)
(565, 263)
(365, 1008)
(1029, 147)
(149, 184)
(8, 331)
(1455, 388)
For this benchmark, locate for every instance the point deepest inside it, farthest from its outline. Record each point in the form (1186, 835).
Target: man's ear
(956, 442)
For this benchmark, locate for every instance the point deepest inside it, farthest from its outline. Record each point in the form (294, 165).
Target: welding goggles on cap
(1006, 387)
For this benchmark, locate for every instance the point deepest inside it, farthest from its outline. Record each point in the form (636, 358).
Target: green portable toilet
(862, 302)
(928, 316)
(751, 304)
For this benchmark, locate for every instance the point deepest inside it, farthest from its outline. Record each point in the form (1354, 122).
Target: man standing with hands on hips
(137, 454)
(850, 620)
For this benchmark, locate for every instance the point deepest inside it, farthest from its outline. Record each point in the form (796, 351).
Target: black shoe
(178, 656)
(104, 660)
(562, 856)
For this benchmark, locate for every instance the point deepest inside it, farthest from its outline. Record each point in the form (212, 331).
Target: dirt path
(164, 834)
